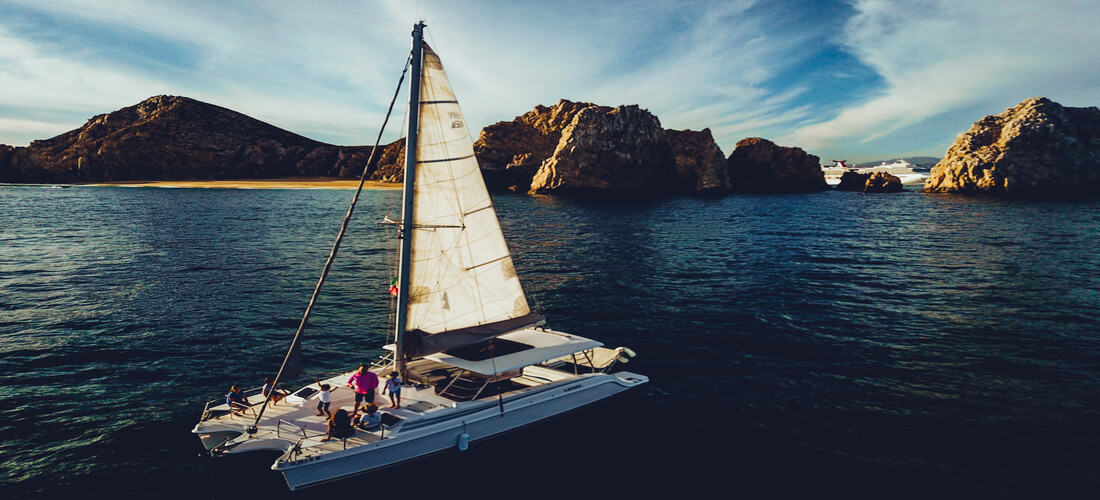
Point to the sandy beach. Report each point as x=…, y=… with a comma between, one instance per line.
x=282, y=183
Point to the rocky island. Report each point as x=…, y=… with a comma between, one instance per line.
x=177, y=138
x=875, y=182
x=571, y=148
x=1036, y=148
x=583, y=148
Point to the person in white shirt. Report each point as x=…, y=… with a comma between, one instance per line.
x=324, y=399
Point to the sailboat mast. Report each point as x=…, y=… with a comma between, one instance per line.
x=406, y=230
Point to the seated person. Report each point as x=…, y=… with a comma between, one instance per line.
x=236, y=400
x=372, y=420
x=276, y=393
x=339, y=426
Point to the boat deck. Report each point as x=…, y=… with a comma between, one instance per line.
x=294, y=419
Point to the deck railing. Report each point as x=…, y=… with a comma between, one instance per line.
x=209, y=411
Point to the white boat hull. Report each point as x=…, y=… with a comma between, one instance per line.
x=487, y=419
x=901, y=169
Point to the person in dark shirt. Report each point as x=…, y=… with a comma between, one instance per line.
x=339, y=426
x=236, y=399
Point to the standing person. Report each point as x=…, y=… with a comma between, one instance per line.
x=324, y=399
x=364, y=382
x=393, y=385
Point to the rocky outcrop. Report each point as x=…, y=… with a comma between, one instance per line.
x=852, y=181
x=568, y=148
x=760, y=166
x=699, y=159
x=390, y=164
x=575, y=147
x=178, y=138
x=509, y=153
x=21, y=165
x=621, y=150
x=876, y=182
x=882, y=182
x=1038, y=147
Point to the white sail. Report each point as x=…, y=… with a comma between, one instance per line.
x=461, y=273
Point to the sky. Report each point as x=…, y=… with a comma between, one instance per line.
x=859, y=80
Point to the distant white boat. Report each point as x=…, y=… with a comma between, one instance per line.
x=898, y=168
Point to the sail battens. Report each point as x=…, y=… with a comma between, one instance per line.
x=459, y=280
x=435, y=226
x=442, y=160
x=471, y=268
x=476, y=210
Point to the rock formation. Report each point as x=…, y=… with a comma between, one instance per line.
x=1037, y=147
x=759, y=166
x=177, y=138
x=852, y=181
x=21, y=165
x=509, y=153
x=579, y=147
x=568, y=148
x=700, y=159
x=876, y=182
x=882, y=182
x=621, y=150
x=390, y=164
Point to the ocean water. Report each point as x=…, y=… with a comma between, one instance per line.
x=829, y=344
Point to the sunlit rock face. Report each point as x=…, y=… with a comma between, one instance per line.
x=760, y=166
x=583, y=148
x=509, y=153
x=389, y=166
x=882, y=182
x=177, y=138
x=1037, y=148
x=624, y=149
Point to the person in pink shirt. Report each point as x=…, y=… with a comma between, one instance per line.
x=364, y=382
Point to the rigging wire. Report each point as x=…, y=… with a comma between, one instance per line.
x=395, y=262
x=295, y=345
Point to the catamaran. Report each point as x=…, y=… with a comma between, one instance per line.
x=476, y=361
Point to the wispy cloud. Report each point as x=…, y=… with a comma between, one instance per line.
x=958, y=59
x=850, y=77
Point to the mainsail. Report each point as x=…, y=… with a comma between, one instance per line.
x=462, y=285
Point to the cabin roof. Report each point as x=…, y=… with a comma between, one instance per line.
x=542, y=345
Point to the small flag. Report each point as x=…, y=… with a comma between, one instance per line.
x=393, y=286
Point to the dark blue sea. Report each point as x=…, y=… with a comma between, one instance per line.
x=827, y=345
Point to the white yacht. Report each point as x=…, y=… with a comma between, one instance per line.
x=898, y=168
x=475, y=359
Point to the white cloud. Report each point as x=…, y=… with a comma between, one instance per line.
x=946, y=57
x=33, y=79
x=328, y=72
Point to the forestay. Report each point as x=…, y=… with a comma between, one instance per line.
x=463, y=287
